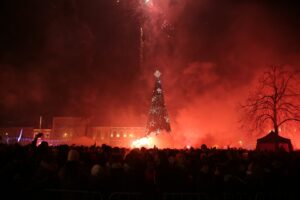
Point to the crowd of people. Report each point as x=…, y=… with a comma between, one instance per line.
x=153, y=171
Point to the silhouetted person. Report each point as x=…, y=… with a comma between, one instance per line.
x=72, y=175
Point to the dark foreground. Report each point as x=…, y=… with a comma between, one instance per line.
x=69, y=172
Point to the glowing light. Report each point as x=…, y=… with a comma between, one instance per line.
x=240, y=142
x=148, y=3
x=125, y=135
x=188, y=146
x=131, y=135
x=118, y=135
x=65, y=135
x=39, y=141
x=142, y=142
x=111, y=135
x=21, y=133
x=157, y=74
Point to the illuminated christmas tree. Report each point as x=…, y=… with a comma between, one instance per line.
x=158, y=119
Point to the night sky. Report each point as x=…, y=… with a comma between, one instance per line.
x=82, y=58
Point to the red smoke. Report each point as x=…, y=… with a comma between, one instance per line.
x=209, y=67
x=81, y=58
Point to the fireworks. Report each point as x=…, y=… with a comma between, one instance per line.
x=141, y=46
x=142, y=142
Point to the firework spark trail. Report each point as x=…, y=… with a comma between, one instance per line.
x=154, y=24
x=141, y=47
x=20, y=136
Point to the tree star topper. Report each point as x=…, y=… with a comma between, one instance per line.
x=157, y=74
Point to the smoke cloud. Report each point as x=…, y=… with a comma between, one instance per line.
x=82, y=58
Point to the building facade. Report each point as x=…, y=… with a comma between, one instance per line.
x=68, y=127
x=116, y=136
x=46, y=132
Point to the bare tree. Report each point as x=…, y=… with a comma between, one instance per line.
x=275, y=102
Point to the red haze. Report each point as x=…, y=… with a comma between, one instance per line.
x=81, y=58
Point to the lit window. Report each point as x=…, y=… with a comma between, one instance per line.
x=118, y=135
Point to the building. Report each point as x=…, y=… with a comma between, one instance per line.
x=46, y=132
x=66, y=130
x=116, y=136
x=68, y=127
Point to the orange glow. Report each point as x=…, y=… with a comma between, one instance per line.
x=240, y=142
x=203, y=87
x=142, y=142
